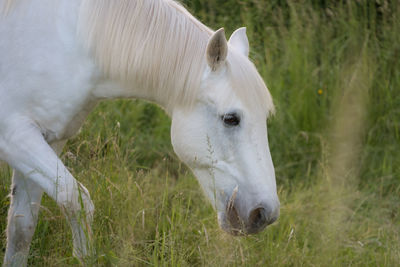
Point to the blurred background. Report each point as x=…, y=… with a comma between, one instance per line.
x=333, y=70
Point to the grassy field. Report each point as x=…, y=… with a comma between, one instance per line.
x=333, y=69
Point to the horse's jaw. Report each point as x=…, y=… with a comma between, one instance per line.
x=242, y=209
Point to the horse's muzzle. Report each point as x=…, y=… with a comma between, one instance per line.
x=238, y=221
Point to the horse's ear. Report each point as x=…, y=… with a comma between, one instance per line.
x=217, y=49
x=239, y=41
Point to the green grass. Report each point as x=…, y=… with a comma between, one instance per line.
x=149, y=207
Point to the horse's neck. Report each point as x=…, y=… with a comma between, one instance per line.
x=112, y=89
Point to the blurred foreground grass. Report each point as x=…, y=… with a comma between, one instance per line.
x=333, y=69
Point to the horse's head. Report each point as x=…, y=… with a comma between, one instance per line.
x=223, y=137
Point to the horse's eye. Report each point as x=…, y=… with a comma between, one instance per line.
x=230, y=119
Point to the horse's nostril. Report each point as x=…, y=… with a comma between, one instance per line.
x=257, y=218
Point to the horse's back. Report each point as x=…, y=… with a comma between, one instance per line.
x=45, y=75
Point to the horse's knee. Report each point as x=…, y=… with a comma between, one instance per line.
x=21, y=227
x=22, y=214
x=25, y=225
x=72, y=202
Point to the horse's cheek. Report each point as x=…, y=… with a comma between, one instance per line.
x=189, y=138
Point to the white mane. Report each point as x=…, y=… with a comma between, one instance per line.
x=157, y=45
x=248, y=84
x=148, y=44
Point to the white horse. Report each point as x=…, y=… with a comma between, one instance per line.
x=58, y=58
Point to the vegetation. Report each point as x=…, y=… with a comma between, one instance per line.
x=333, y=69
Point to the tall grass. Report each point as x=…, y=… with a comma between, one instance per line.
x=333, y=70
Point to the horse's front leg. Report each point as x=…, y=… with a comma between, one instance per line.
x=25, y=149
x=22, y=215
x=22, y=219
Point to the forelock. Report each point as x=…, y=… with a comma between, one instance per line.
x=247, y=83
